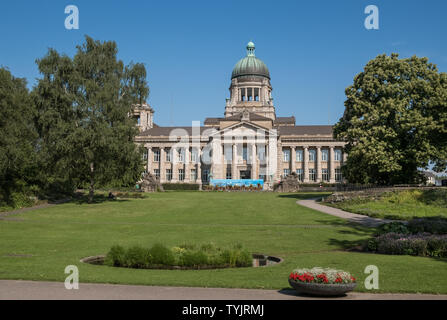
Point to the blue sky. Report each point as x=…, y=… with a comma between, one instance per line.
x=312, y=48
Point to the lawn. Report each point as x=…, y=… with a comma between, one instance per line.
x=400, y=205
x=38, y=245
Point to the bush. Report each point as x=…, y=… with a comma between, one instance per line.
x=436, y=225
x=137, y=257
x=115, y=257
x=396, y=227
x=237, y=257
x=422, y=244
x=180, y=186
x=193, y=259
x=192, y=256
x=161, y=255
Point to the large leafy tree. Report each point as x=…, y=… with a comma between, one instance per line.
x=18, y=137
x=395, y=121
x=85, y=106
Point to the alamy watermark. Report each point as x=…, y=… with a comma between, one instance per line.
x=72, y=281
x=372, y=20
x=72, y=20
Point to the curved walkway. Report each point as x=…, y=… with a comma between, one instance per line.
x=352, y=217
x=31, y=290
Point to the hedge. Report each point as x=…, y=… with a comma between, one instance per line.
x=181, y=186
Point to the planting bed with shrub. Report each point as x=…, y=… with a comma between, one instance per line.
x=425, y=237
x=206, y=256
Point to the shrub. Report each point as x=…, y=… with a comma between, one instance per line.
x=137, y=257
x=193, y=259
x=115, y=257
x=396, y=227
x=236, y=257
x=161, y=255
x=436, y=225
x=181, y=186
x=187, y=255
x=422, y=244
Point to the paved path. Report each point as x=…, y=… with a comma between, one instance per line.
x=30, y=290
x=353, y=217
x=39, y=206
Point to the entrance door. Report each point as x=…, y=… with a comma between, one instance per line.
x=245, y=174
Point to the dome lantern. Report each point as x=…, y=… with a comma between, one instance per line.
x=250, y=65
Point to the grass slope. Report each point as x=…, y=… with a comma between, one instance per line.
x=38, y=245
x=401, y=205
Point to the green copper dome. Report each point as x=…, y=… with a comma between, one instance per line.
x=250, y=65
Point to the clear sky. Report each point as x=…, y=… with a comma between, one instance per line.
x=313, y=49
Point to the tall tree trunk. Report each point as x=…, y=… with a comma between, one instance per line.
x=92, y=183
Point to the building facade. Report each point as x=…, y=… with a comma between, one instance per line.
x=248, y=142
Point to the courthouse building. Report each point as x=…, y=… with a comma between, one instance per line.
x=248, y=142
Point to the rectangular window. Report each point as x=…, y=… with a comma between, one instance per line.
x=193, y=155
x=286, y=172
x=338, y=176
x=181, y=174
x=300, y=175
x=337, y=155
x=325, y=174
x=145, y=153
x=228, y=175
x=168, y=155
x=157, y=173
x=299, y=155
x=181, y=154
x=286, y=155
x=261, y=152
x=193, y=175
x=157, y=155
x=244, y=153
x=311, y=155
x=205, y=175
x=168, y=174
x=228, y=153
x=324, y=154
x=262, y=177
x=312, y=176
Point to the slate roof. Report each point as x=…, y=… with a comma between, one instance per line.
x=305, y=130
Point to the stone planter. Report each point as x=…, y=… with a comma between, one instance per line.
x=322, y=289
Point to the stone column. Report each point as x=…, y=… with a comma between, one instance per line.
x=199, y=165
x=234, y=162
x=149, y=159
x=162, y=165
x=174, y=162
x=254, y=174
x=318, y=164
x=293, y=159
x=332, y=165
x=187, y=165
x=306, y=164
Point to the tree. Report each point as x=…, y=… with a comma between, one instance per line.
x=18, y=137
x=85, y=106
x=395, y=121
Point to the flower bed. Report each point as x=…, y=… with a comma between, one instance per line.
x=206, y=256
x=322, y=282
x=421, y=244
x=320, y=275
